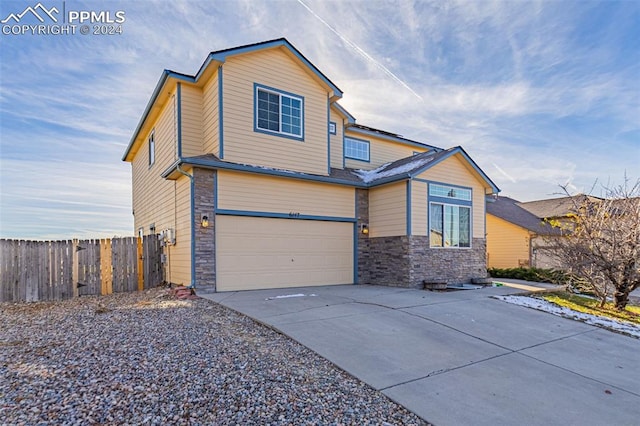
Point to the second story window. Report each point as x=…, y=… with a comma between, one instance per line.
x=279, y=112
x=356, y=149
x=152, y=149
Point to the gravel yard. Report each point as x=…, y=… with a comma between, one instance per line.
x=149, y=358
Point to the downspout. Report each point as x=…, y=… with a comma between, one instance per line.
x=192, y=286
x=193, y=228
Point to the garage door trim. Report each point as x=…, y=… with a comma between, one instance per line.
x=292, y=215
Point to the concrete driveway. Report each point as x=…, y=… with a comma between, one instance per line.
x=460, y=358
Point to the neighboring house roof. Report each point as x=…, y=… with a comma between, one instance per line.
x=219, y=57
x=402, y=169
x=555, y=207
x=508, y=209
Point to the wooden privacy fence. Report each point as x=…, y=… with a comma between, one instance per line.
x=57, y=270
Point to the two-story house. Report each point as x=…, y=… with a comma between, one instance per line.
x=256, y=177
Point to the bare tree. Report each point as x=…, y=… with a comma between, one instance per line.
x=600, y=245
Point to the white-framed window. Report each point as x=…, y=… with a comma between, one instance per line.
x=152, y=148
x=278, y=112
x=450, y=216
x=332, y=127
x=449, y=225
x=356, y=149
x=451, y=192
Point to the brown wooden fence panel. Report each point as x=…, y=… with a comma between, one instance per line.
x=152, y=261
x=124, y=252
x=89, y=279
x=44, y=270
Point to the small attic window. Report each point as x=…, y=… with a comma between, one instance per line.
x=152, y=148
x=332, y=127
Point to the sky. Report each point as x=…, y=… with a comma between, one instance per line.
x=539, y=93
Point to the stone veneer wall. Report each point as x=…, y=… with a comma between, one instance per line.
x=389, y=262
x=406, y=261
x=452, y=266
x=362, y=214
x=205, y=237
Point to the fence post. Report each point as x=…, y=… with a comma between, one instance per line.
x=140, y=265
x=75, y=272
x=106, y=269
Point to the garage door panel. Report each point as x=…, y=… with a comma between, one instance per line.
x=255, y=253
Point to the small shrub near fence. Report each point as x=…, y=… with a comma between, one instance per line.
x=57, y=270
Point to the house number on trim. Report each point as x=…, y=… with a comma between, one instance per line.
x=294, y=214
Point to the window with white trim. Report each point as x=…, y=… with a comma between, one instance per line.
x=452, y=192
x=356, y=149
x=449, y=216
x=152, y=148
x=278, y=112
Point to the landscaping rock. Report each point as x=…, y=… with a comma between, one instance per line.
x=150, y=358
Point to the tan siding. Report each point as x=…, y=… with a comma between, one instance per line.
x=191, y=114
x=256, y=253
x=381, y=152
x=181, y=252
x=507, y=244
x=155, y=200
x=418, y=208
x=387, y=210
x=453, y=171
x=152, y=195
x=337, y=141
x=210, y=116
x=241, y=191
x=273, y=68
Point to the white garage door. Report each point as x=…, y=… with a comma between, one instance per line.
x=257, y=253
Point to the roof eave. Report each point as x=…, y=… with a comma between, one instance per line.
x=391, y=138
x=346, y=114
x=172, y=173
x=222, y=55
x=458, y=150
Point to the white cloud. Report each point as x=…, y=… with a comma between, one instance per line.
x=539, y=93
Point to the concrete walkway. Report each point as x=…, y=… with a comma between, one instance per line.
x=462, y=357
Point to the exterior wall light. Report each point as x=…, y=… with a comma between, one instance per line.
x=205, y=221
x=364, y=228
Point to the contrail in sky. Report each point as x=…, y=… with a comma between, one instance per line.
x=361, y=52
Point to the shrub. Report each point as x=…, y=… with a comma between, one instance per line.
x=552, y=276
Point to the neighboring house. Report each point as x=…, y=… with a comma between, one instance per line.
x=257, y=178
x=515, y=236
x=557, y=209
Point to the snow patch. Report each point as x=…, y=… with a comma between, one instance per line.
x=379, y=173
x=543, y=305
x=286, y=296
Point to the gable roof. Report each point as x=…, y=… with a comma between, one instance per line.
x=555, y=207
x=508, y=209
x=219, y=57
x=410, y=167
x=402, y=169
